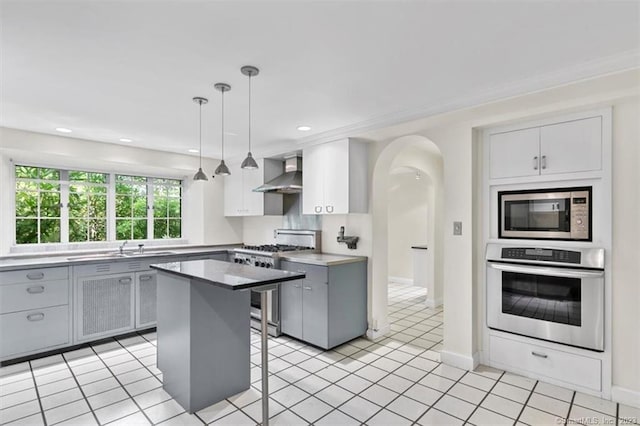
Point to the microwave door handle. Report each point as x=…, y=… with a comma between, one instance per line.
x=543, y=270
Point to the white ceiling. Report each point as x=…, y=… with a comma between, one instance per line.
x=111, y=70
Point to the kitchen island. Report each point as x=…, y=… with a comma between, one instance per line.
x=203, y=328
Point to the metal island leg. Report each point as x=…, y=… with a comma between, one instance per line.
x=265, y=357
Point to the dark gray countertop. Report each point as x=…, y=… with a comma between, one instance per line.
x=70, y=258
x=321, y=259
x=420, y=247
x=231, y=276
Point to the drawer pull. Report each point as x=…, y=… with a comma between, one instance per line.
x=124, y=280
x=35, y=289
x=35, y=275
x=307, y=288
x=145, y=277
x=329, y=209
x=35, y=317
x=318, y=209
x=539, y=355
x=296, y=286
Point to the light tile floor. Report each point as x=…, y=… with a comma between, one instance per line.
x=397, y=380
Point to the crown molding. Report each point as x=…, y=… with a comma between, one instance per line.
x=600, y=67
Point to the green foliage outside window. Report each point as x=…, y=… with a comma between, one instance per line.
x=40, y=191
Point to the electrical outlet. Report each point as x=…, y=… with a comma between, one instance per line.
x=457, y=228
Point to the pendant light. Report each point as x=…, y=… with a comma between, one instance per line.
x=249, y=162
x=222, y=168
x=200, y=174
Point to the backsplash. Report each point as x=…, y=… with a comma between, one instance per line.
x=293, y=217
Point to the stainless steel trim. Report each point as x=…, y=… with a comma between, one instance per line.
x=35, y=275
x=35, y=317
x=546, y=271
x=592, y=258
x=265, y=358
x=538, y=354
x=589, y=334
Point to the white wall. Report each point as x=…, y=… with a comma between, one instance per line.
x=409, y=217
x=203, y=221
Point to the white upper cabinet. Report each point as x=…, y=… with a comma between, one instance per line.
x=239, y=198
x=575, y=146
x=567, y=147
x=515, y=154
x=334, y=178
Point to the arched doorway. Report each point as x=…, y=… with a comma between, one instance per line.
x=421, y=154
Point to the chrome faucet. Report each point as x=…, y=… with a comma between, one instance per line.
x=352, y=242
x=122, y=246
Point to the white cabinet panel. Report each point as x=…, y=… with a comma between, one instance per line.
x=239, y=197
x=313, y=180
x=558, y=365
x=23, y=296
x=575, y=146
x=515, y=154
x=335, y=178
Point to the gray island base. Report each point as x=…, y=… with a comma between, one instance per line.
x=204, y=332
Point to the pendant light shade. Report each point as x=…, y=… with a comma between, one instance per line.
x=249, y=162
x=222, y=168
x=200, y=174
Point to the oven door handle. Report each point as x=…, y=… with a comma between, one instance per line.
x=544, y=270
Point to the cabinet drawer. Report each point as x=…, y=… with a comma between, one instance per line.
x=34, y=330
x=558, y=365
x=314, y=273
x=34, y=275
x=20, y=297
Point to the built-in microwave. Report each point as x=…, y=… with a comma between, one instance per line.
x=545, y=214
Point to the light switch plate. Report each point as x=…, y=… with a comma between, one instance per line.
x=457, y=228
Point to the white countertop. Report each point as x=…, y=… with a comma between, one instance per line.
x=322, y=259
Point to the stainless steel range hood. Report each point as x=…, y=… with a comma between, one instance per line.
x=288, y=183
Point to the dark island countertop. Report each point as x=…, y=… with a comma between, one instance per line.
x=232, y=276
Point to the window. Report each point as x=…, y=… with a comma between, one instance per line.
x=87, y=206
x=131, y=207
x=54, y=206
x=37, y=205
x=167, y=196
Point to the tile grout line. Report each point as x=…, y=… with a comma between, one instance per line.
x=485, y=397
x=123, y=388
x=526, y=402
x=84, y=396
x=573, y=397
x=35, y=385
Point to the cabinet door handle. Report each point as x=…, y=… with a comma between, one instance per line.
x=539, y=355
x=296, y=286
x=329, y=209
x=124, y=280
x=307, y=288
x=535, y=163
x=544, y=162
x=318, y=209
x=145, y=277
x=35, y=289
x=35, y=317
x=35, y=275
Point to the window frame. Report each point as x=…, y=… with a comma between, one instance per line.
x=65, y=183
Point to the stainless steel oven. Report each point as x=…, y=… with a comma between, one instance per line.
x=547, y=293
x=551, y=214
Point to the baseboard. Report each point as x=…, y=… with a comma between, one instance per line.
x=373, y=334
x=625, y=396
x=461, y=361
x=399, y=280
x=433, y=303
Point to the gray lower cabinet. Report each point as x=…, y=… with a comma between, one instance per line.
x=328, y=307
x=104, y=305
x=146, y=301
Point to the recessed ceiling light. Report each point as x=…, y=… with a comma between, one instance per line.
x=63, y=130
x=304, y=128
x=193, y=150
x=125, y=140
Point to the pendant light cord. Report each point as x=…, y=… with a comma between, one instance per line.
x=250, y=75
x=222, y=135
x=200, y=102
